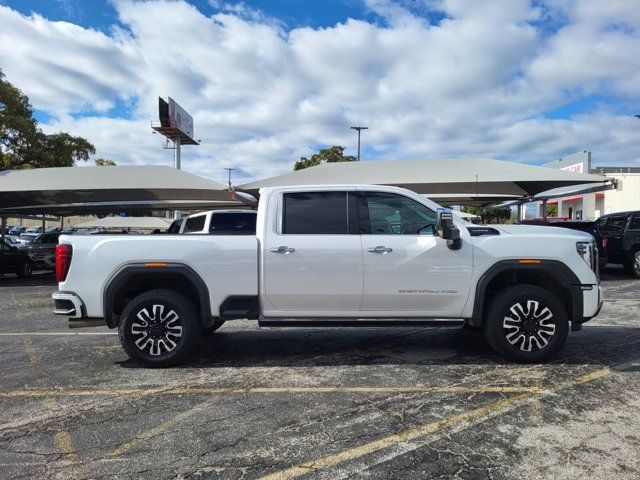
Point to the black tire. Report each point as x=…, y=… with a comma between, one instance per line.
x=634, y=266
x=165, y=318
x=526, y=334
x=210, y=330
x=25, y=271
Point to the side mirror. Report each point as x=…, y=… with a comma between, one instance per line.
x=448, y=231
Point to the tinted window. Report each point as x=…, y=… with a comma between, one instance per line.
x=616, y=224
x=233, y=223
x=50, y=238
x=635, y=222
x=391, y=214
x=315, y=213
x=195, y=224
x=175, y=226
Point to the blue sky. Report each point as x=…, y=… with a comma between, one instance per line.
x=270, y=81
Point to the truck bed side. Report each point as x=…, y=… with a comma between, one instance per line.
x=228, y=265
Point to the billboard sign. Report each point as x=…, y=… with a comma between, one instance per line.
x=576, y=167
x=179, y=118
x=578, y=163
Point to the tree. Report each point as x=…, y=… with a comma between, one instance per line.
x=105, y=162
x=24, y=145
x=488, y=215
x=325, y=155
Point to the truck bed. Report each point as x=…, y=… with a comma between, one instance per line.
x=227, y=264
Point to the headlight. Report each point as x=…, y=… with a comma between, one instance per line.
x=586, y=251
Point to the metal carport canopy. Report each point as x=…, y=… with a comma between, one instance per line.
x=83, y=190
x=462, y=176
x=126, y=222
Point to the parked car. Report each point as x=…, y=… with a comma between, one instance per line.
x=622, y=231
x=220, y=222
x=14, y=261
x=69, y=230
x=42, y=250
x=583, y=226
x=34, y=230
x=52, y=230
x=26, y=238
x=11, y=241
x=331, y=256
x=17, y=230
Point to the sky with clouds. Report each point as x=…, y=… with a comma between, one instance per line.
x=269, y=81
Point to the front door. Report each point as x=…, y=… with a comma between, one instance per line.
x=408, y=269
x=614, y=231
x=312, y=257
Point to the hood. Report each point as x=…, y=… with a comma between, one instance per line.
x=541, y=230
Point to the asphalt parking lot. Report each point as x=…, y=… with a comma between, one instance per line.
x=317, y=403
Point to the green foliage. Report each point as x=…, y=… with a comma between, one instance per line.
x=105, y=162
x=325, y=155
x=489, y=215
x=24, y=145
x=552, y=209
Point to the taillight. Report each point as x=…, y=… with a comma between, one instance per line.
x=605, y=241
x=63, y=261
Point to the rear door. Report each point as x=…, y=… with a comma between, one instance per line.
x=407, y=267
x=312, y=257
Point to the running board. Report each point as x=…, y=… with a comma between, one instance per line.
x=351, y=322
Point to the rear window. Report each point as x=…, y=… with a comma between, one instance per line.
x=233, y=224
x=195, y=224
x=635, y=222
x=315, y=213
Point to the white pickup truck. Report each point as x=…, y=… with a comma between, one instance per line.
x=335, y=256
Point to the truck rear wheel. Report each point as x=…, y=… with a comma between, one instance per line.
x=526, y=323
x=159, y=328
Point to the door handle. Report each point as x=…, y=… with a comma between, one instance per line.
x=380, y=249
x=283, y=249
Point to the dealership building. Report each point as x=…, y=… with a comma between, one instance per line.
x=591, y=205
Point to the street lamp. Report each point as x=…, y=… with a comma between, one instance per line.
x=359, y=129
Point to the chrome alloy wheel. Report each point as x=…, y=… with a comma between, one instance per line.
x=529, y=327
x=636, y=264
x=156, y=332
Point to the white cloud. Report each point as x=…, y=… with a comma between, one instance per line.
x=476, y=83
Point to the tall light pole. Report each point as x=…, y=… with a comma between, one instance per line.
x=359, y=129
x=230, y=170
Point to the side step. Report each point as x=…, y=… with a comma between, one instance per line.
x=356, y=322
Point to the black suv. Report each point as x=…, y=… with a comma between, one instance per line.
x=622, y=234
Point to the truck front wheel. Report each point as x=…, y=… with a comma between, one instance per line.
x=159, y=328
x=526, y=323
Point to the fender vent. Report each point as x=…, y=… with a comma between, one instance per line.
x=479, y=231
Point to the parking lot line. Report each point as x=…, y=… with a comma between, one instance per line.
x=476, y=415
x=61, y=436
x=196, y=390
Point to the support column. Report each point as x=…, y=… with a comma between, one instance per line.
x=44, y=223
x=176, y=164
x=519, y=213
x=544, y=210
x=3, y=226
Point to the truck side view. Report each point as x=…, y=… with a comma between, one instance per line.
x=335, y=256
